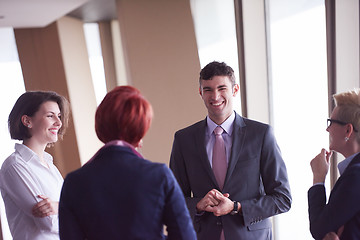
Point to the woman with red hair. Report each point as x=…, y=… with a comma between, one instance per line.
x=118, y=194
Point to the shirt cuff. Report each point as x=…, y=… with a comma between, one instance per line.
x=320, y=183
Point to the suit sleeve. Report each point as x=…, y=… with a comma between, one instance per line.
x=176, y=214
x=342, y=206
x=69, y=227
x=276, y=198
x=177, y=165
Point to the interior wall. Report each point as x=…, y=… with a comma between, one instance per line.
x=80, y=85
x=107, y=50
x=119, y=55
x=163, y=63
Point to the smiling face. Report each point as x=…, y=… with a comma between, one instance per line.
x=217, y=94
x=45, y=124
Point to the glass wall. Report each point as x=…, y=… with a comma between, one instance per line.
x=93, y=45
x=215, y=31
x=12, y=86
x=298, y=67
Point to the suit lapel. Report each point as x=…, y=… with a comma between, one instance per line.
x=200, y=145
x=354, y=161
x=238, y=134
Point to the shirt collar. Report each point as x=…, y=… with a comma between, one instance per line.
x=123, y=144
x=27, y=154
x=344, y=163
x=227, y=125
x=118, y=143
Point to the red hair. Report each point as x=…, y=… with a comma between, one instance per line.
x=124, y=114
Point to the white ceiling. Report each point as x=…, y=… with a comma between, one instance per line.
x=40, y=13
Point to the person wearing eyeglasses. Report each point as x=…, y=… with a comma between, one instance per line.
x=339, y=218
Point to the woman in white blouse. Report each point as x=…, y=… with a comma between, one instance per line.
x=29, y=181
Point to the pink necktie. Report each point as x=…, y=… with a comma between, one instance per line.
x=219, y=163
x=222, y=236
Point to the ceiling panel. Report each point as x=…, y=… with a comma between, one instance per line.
x=40, y=13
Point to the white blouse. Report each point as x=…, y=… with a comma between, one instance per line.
x=22, y=179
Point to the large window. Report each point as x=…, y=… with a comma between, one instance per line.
x=215, y=31
x=12, y=86
x=297, y=63
x=93, y=45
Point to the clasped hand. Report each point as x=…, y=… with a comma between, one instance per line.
x=45, y=208
x=216, y=202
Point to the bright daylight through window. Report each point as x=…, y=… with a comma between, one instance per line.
x=297, y=48
x=11, y=88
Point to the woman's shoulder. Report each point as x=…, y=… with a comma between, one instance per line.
x=12, y=160
x=156, y=166
x=13, y=165
x=21, y=156
x=160, y=170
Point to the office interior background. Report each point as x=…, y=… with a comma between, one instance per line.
x=289, y=56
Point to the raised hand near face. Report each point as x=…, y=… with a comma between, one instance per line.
x=320, y=166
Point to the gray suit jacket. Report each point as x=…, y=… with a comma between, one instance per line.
x=256, y=177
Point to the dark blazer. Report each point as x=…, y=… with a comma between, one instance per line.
x=119, y=195
x=343, y=207
x=256, y=177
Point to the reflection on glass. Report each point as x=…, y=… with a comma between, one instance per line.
x=297, y=50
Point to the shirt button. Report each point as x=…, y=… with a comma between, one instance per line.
x=218, y=223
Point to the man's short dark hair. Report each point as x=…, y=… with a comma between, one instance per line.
x=217, y=69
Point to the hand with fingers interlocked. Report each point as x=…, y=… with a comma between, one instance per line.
x=216, y=202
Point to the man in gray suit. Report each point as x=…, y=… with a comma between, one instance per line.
x=255, y=185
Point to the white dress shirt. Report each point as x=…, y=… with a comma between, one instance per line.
x=22, y=178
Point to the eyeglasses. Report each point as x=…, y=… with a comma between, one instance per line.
x=331, y=121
